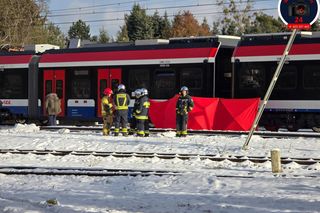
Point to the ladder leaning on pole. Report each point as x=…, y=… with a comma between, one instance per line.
x=270, y=89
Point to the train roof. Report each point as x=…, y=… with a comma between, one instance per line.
x=174, y=51
x=180, y=42
x=224, y=40
x=10, y=60
x=16, y=53
x=270, y=47
x=156, y=51
x=277, y=38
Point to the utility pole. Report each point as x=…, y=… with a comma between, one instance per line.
x=271, y=86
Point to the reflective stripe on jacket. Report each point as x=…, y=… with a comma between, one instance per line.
x=106, y=106
x=142, y=110
x=121, y=101
x=184, y=105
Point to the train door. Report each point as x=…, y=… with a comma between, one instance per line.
x=54, y=82
x=107, y=77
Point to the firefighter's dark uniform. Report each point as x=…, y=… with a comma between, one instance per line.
x=184, y=106
x=107, y=114
x=133, y=121
x=121, y=102
x=142, y=116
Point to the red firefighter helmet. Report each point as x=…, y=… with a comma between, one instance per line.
x=107, y=91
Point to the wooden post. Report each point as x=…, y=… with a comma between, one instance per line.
x=276, y=161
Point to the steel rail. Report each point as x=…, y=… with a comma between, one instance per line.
x=80, y=171
x=165, y=156
x=265, y=134
x=104, y=172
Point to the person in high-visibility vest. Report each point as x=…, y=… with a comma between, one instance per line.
x=142, y=114
x=107, y=111
x=183, y=107
x=121, y=101
x=133, y=121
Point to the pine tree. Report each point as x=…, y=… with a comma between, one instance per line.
x=166, y=27
x=205, y=28
x=215, y=28
x=157, y=25
x=94, y=38
x=122, y=35
x=103, y=36
x=54, y=35
x=264, y=23
x=139, y=24
x=316, y=26
x=80, y=30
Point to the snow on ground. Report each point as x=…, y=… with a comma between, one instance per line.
x=199, y=189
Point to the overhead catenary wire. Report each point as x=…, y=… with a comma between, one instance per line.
x=195, y=14
x=99, y=6
x=92, y=8
x=149, y=9
x=115, y=20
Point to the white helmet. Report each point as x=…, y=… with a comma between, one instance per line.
x=138, y=93
x=184, y=88
x=121, y=87
x=144, y=91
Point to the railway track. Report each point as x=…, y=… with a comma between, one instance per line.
x=165, y=156
x=66, y=171
x=104, y=172
x=265, y=134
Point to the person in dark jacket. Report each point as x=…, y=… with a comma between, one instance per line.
x=133, y=121
x=107, y=111
x=183, y=107
x=142, y=114
x=121, y=102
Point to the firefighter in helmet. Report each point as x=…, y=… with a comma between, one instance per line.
x=121, y=101
x=107, y=111
x=142, y=114
x=133, y=121
x=183, y=107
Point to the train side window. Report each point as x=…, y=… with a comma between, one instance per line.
x=288, y=78
x=81, y=88
x=59, y=88
x=252, y=77
x=48, y=87
x=81, y=84
x=139, y=78
x=114, y=84
x=103, y=85
x=165, y=83
x=192, y=78
x=311, y=77
x=12, y=84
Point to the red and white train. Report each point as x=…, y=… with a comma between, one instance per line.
x=217, y=66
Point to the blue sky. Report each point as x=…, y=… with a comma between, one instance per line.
x=60, y=11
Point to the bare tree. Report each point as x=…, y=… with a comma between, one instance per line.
x=22, y=22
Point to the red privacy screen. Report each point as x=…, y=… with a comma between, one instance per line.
x=208, y=113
